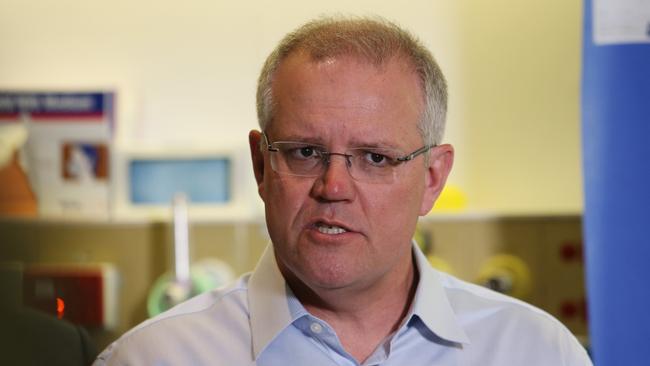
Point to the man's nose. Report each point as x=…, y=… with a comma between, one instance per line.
x=336, y=183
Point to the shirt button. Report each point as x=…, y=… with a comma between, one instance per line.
x=316, y=328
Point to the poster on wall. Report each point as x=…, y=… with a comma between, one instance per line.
x=68, y=148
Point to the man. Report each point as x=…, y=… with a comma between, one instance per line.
x=351, y=113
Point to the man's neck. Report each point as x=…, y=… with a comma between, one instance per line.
x=362, y=318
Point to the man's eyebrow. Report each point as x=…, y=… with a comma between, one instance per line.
x=300, y=138
x=354, y=143
x=386, y=144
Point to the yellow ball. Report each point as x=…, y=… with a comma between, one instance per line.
x=452, y=198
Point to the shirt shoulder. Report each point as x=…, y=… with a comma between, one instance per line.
x=508, y=330
x=211, y=326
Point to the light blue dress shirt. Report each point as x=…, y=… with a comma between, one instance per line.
x=258, y=321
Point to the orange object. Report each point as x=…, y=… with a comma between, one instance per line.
x=16, y=196
x=60, y=307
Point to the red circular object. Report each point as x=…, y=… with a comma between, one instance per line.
x=571, y=251
x=568, y=252
x=568, y=309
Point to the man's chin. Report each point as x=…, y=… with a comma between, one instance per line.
x=332, y=277
x=318, y=278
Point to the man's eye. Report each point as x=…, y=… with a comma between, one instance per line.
x=303, y=152
x=306, y=152
x=376, y=158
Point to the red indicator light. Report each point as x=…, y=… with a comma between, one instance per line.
x=74, y=293
x=60, y=307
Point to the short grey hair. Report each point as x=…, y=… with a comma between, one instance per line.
x=374, y=40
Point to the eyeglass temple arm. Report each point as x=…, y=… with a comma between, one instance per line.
x=415, y=153
x=268, y=144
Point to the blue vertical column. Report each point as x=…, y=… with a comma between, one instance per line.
x=616, y=161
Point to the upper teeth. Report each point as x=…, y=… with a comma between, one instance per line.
x=329, y=229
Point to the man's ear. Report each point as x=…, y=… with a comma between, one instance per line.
x=441, y=159
x=254, y=142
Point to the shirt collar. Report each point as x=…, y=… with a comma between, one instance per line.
x=431, y=304
x=273, y=306
x=269, y=302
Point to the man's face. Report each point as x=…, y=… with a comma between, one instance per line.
x=342, y=103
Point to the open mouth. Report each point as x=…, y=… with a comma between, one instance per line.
x=329, y=229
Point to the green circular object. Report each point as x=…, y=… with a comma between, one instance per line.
x=201, y=281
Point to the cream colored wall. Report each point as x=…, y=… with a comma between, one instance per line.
x=519, y=63
x=185, y=74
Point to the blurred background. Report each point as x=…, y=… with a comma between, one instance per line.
x=115, y=107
